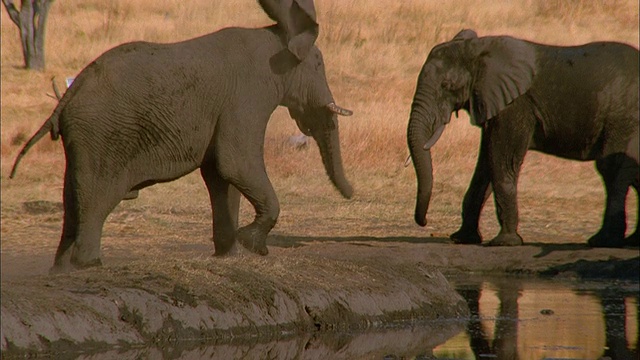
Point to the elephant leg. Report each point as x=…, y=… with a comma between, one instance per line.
x=85, y=210
x=634, y=239
x=505, y=339
x=508, y=144
x=618, y=173
x=474, y=200
x=62, y=262
x=133, y=194
x=242, y=165
x=257, y=188
x=478, y=337
x=225, y=205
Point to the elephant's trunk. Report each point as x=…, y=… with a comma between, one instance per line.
x=424, y=129
x=417, y=136
x=329, y=144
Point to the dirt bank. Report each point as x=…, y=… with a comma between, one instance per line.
x=219, y=300
x=309, y=286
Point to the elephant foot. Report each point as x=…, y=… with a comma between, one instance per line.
x=67, y=267
x=506, y=240
x=607, y=240
x=253, y=239
x=463, y=236
x=133, y=194
x=61, y=269
x=633, y=240
x=86, y=264
x=225, y=249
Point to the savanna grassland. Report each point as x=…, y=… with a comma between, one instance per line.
x=373, y=52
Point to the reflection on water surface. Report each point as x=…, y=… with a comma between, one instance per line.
x=515, y=318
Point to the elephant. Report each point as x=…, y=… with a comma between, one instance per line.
x=144, y=113
x=576, y=102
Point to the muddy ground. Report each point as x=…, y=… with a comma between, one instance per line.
x=161, y=289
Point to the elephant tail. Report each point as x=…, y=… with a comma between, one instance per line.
x=50, y=126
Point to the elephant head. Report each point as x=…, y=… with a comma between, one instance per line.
x=307, y=93
x=311, y=105
x=481, y=75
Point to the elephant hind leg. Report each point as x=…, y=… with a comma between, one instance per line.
x=85, y=210
x=618, y=172
x=634, y=239
x=62, y=262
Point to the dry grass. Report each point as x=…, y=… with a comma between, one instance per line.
x=373, y=51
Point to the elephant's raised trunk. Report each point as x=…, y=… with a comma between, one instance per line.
x=329, y=145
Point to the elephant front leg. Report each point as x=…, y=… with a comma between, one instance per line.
x=474, y=201
x=508, y=144
x=242, y=165
x=225, y=204
x=259, y=191
x=505, y=194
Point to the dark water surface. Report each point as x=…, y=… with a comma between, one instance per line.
x=512, y=318
x=524, y=318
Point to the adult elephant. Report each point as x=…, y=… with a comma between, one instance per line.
x=578, y=102
x=144, y=113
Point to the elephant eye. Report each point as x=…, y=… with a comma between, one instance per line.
x=447, y=85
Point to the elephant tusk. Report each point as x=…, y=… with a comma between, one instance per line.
x=338, y=110
x=55, y=88
x=408, y=161
x=434, y=138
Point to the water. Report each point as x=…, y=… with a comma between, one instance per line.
x=516, y=318
x=512, y=318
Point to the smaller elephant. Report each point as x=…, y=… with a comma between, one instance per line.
x=577, y=102
x=145, y=113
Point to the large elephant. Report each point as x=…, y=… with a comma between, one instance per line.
x=578, y=102
x=145, y=113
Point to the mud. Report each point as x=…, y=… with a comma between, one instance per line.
x=184, y=304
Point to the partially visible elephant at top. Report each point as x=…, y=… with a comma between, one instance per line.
x=145, y=113
x=576, y=102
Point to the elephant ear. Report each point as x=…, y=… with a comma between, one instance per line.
x=465, y=34
x=297, y=19
x=505, y=68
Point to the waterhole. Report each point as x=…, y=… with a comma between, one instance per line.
x=519, y=318
x=512, y=318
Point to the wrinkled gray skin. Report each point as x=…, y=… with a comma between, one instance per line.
x=145, y=113
x=578, y=103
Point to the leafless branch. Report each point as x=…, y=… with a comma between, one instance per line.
x=14, y=14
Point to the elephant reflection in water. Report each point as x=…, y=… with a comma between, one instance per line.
x=614, y=309
x=505, y=337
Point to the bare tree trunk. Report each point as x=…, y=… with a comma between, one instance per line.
x=31, y=20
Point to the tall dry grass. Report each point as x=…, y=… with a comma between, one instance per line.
x=373, y=51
